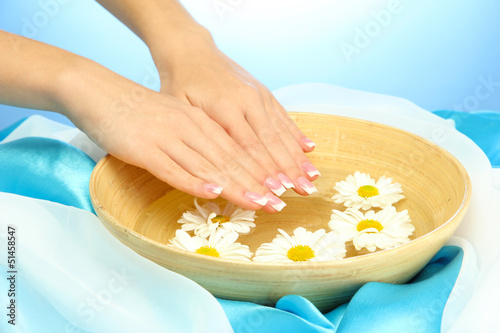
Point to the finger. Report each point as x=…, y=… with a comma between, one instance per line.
x=215, y=131
x=306, y=143
x=293, y=147
x=237, y=153
x=253, y=197
x=205, y=146
x=165, y=169
x=260, y=122
x=239, y=129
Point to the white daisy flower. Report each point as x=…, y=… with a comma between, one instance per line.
x=220, y=243
x=361, y=192
x=208, y=217
x=302, y=246
x=384, y=229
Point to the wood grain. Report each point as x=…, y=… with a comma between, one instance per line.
x=142, y=212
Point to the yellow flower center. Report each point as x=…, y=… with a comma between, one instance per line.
x=300, y=253
x=221, y=219
x=208, y=251
x=367, y=191
x=366, y=224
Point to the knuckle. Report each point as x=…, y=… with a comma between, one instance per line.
x=252, y=146
x=222, y=180
x=292, y=170
x=196, y=110
x=218, y=177
x=234, y=149
x=166, y=119
x=225, y=104
x=249, y=91
x=167, y=173
x=279, y=124
x=203, y=169
x=269, y=136
x=230, y=165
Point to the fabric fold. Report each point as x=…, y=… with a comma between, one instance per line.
x=93, y=281
x=46, y=169
x=377, y=307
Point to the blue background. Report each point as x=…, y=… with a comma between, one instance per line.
x=439, y=55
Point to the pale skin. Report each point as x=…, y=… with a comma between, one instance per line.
x=211, y=127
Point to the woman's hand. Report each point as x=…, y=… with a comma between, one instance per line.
x=196, y=72
x=176, y=142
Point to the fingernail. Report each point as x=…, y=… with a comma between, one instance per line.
x=212, y=188
x=310, y=169
x=257, y=198
x=287, y=183
x=275, y=186
x=275, y=202
x=308, y=142
x=306, y=185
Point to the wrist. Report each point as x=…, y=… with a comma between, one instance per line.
x=86, y=91
x=68, y=87
x=173, y=48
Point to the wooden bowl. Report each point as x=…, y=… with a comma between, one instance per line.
x=142, y=212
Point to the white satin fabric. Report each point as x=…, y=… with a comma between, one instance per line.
x=73, y=276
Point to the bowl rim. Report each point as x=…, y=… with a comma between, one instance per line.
x=100, y=210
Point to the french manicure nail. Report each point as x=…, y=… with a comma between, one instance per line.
x=257, y=198
x=275, y=186
x=287, y=183
x=275, y=202
x=212, y=188
x=306, y=185
x=308, y=142
x=310, y=169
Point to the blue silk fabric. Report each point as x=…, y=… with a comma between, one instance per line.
x=46, y=169
x=52, y=170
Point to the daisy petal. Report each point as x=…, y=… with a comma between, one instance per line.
x=302, y=246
